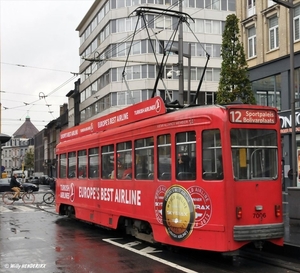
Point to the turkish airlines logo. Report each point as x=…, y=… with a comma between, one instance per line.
x=157, y=106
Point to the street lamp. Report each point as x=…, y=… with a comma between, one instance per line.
x=289, y=4
x=169, y=74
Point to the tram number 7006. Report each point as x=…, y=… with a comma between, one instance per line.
x=259, y=215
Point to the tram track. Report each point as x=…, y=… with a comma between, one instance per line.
x=247, y=260
x=244, y=262
x=289, y=264
x=38, y=205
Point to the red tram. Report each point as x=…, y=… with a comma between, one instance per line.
x=202, y=177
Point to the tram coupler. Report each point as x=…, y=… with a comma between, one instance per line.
x=259, y=244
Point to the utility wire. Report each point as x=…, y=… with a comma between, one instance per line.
x=36, y=67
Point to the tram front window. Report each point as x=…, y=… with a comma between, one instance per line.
x=254, y=154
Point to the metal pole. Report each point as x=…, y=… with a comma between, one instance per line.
x=292, y=91
x=180, y=58
x=189, y=75
x=0, y=89
x=290, y=6
x=0, y=159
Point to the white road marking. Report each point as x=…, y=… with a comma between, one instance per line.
x=24, y=208
x=146, y=254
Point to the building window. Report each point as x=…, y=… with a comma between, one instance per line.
x=231, y=5
x=251, y=8
x=271, y=3
x=267, y=91
x=297, y=87
x=251, y=42
x=297, y=24
x=273, y=33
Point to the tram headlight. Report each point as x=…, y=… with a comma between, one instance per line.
x=239, y=212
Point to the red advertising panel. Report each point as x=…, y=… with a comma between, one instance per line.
x=136, y=112
x=252, y=116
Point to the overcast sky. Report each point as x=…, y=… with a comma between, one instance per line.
x=39, y=50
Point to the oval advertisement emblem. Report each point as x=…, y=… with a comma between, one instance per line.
x=178, y=213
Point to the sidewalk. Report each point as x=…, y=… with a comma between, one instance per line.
x=291, y=232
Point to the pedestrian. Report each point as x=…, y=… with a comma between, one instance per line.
x=15, y=186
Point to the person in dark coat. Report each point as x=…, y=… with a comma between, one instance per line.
x=15, y=186
x=183, y=163
x=52, y=184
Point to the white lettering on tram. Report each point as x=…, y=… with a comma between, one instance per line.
x=103, y=123
x=145, y=110
x=69, y=134
x=107, y=194
x=89, y=192
x=122, y=117
x=131, y=197
x=123, y=196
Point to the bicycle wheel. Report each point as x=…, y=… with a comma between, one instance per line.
x=7, y=198
x=48, y=198
x=28, y=198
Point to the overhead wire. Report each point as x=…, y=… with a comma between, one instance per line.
x=152, y=21
x=36, y=67
x=129, y=37
x=123, y=41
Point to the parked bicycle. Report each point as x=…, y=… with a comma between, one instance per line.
x=49, y=197
x=27, y=197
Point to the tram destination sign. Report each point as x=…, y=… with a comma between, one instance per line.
x=252, y=116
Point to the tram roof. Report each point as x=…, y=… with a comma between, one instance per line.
x=153, y=107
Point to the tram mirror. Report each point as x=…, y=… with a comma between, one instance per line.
x=243, y=161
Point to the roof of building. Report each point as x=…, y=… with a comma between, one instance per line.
x=26, y=130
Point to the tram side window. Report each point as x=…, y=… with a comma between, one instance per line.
x=72, y=165
x=212, y=161
x=164, y=157
x=254, y=154
x=186, y=156
x=93, y=163
x=62, y=166
x=107, y=161
x=124, y=164
x=144, y=159
x=81, y=163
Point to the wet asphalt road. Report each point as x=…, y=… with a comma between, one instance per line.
x=39, y=240
x=44, y=242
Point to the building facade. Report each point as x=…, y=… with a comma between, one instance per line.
x=14, y=151
x=265, y=35
x=105, y=39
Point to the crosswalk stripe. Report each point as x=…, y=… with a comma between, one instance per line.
x=3, y=209
x=25, y=209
